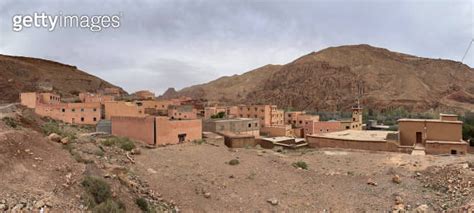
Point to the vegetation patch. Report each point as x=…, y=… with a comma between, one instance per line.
x=98, y=196
x=11, y=122
x=54, y=127
x=142, y=203
x=121, y=142
x=199, y=142
x=234, y=162
x=301, y=165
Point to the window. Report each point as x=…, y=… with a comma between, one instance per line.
x=256, y=109
x=95, y=119
x=256, y=124
x=250, y=125
x=301, y=122
x=82, y=109
x=73, y=110
x=63, y=110
x=82, y=119
x=94, y=109
x=255, y=116
x=327, y=130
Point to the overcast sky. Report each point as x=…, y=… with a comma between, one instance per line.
x=174, y=43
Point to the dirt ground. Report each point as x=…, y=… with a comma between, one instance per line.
x=198, y=178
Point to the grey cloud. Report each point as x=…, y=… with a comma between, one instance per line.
x=179, y=43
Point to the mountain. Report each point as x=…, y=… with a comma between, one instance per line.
x=24, y=74
x=333, y=78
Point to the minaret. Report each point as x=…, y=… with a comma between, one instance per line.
x=357, y=116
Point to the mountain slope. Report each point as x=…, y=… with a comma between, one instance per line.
x=23, y=74
x=331, y=79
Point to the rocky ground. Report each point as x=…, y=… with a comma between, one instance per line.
x=41, y=172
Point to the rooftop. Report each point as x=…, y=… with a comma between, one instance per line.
x=361, y=135
x=427, y=120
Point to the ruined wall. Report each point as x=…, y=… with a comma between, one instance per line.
x=136, y=128
x=319, y=142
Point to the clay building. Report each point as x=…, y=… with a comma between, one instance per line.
x=49, y=105
x=112, y=91
x=86, y=97
x=157, y=130
x=136, y=108
x=30, y=99
x=355, y=122
x=182, y=112
x=321, y=127
x=268, y=115
x=212, y=111
x=437, y=136
x=430, y=136
x=144, y=95
x=239, y=126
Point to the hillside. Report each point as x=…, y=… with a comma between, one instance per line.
x=23, y=74
x=330, y=79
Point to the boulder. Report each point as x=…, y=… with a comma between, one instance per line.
x=65, y=140
x=54, y=137
x=396, y=179
x=273, y=201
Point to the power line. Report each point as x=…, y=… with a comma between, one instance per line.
x=468, y=47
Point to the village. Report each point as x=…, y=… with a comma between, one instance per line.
x=156, y=122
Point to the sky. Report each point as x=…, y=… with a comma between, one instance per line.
x=177, y=43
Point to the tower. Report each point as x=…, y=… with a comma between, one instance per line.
x=357, y=116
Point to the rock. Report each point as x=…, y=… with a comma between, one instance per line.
x=54, y=137
x=421, y=209
x=65, y=140
x=273, y=201
x=39, y=204
x=3, y=207
x=371, y=182
x=17, y=207
x=398, y=208
x=396, y=179
x=398, y=200
x=207, y=195
x=135, y=151
x=152, y=171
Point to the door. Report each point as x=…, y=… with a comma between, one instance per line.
x=181, y=138
x=418, y=138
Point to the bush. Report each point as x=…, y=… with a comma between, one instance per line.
x=122, y=142
x=142, y=203
x=300, y=164
x=109, y=206
x=234, y=162
x=199, y=142
x=218, y=115
x=9, y=121
x=97, y=187
x=51, y=127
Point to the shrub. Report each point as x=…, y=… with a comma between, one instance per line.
x=122, y=142
x=142, y=203
x=109, y=206
x=199, y=142
x=9, y=121
x=300, y=164
x=97, y=187
x=234, y=162
x=51, y=127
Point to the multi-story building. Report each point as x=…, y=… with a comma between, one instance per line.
x=49, y=105
x=182, y=112
x=145, y=95
x=268, y=115
x=241, y=126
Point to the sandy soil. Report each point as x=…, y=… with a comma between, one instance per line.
x=336, y=180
